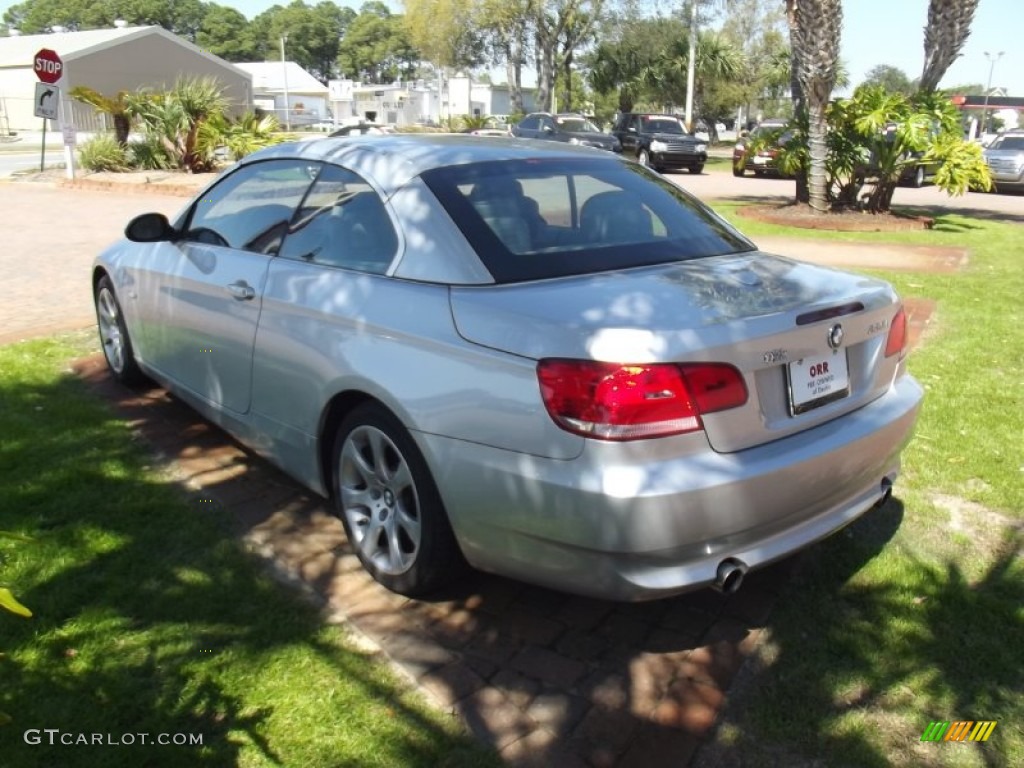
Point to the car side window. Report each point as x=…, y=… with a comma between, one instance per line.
x=547, y=123
x=530, y=123
x=342, y=223
x=250, y=209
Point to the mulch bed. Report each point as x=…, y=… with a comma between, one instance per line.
x=792, y=215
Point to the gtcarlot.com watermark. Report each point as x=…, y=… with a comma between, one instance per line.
x=55, y=737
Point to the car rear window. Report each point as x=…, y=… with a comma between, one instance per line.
x=541, y=218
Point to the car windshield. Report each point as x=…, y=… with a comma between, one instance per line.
x=576, y=125
x=1009, y=143
x=542, y=218
x=662, y=125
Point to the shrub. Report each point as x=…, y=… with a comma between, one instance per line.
x=240, y=137
x=149, y=154
x=103, y=153
x=174, y=119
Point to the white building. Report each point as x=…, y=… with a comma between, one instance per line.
x=108, y=61
x=420, y=102
x=274, y=84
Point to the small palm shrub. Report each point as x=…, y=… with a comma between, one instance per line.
x=240, y=137
x=149, y=154
x=103, y=153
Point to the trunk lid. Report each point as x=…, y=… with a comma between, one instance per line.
x=769, y=316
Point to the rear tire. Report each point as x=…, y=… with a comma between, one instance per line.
x=697, y=169
x=739, y=171
x=114, y=338
x=390, y=505
x=918, y=180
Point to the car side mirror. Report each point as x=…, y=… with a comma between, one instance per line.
x=149, y=228
x=548, y=129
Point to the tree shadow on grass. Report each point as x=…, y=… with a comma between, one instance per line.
x=151, y=623
x=856, y=669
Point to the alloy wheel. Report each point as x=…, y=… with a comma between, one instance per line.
x=110, y=329
x=379, y=500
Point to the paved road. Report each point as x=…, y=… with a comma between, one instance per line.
x=22, y=161
x=51, y=237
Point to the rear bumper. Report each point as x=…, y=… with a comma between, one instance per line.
x=614, y=526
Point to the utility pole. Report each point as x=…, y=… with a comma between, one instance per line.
x=988, y=89
x=691, y=64
x=284, y=71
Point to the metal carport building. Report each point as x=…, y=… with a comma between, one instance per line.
x=109, y=61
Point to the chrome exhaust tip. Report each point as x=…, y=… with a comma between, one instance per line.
x=729, y=575
x=886, y=493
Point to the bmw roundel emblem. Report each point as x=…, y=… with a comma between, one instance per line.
x=835, y=336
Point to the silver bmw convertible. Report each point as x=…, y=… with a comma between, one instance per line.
x=541, y=360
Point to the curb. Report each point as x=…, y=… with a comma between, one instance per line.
x=148, y=187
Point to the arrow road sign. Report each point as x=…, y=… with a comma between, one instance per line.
x=47, y=98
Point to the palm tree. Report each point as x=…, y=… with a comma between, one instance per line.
x=119, y=108
x=949, y=25
x=814, y=31
x=715, y=59
x=200, y=99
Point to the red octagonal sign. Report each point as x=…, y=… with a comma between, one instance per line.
x=48, y=66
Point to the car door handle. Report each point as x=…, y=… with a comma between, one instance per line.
x=241, y=291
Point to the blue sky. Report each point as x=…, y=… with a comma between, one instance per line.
x=880, y=32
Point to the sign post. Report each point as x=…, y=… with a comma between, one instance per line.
x=70, y=139
x=48, y=68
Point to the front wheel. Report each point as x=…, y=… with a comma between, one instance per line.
x=117, y=345
x=696, y=169
x=738, y=170
x=389, y=504
x=918, y=181
x=643, y=158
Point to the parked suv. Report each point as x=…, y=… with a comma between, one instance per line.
x=572, y=129
x=660, y=141
x=1005, y=158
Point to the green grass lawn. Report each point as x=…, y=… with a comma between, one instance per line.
x=915, y=613
x=149, y=619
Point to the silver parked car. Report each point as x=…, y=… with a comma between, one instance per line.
x=546, y=361
x=1005, y=158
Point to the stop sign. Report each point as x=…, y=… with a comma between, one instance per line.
x=48, y=66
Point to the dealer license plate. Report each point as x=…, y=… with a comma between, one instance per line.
x=814, y=381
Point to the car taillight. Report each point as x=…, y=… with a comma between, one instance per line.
x=610, y=401
x=896, y=343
